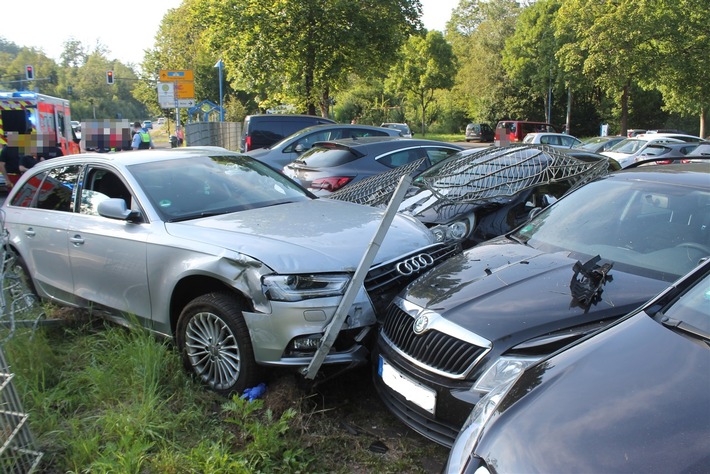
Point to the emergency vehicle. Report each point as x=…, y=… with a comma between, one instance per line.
x=42, y=122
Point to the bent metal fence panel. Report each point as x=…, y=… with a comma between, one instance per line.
x=489, y=174
x=18, y=307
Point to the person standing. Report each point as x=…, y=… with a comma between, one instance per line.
x=141, y=139
x=10, y=163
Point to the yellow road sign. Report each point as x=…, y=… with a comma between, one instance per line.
x=185, y=90
x=176, y=75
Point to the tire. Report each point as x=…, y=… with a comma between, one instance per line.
x=214, y=342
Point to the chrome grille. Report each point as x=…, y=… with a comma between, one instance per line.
x=383, y=282
x=433, y=349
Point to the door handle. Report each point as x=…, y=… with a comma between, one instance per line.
x=30, y=232
x=76, y=240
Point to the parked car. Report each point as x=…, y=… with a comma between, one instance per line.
x=479, y=132
x=510, y=132
x=558, y=140
x=474, y=197
x=239, y=264
x=599, y=144
x=626, y=151
x=680, y=136
x=646, y=378
x=406, y=132
x=665, y=153
x=632, y=132
x=147, y=124
x=480, y=317
x=287, y=150
x=260, y=131
x=161, y=120
x=330, y=166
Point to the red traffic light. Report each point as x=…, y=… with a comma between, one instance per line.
x=29, y=73
x=109, y=77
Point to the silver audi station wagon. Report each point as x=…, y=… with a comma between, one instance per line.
x=239, y=264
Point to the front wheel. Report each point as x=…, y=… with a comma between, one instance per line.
x=214, y=342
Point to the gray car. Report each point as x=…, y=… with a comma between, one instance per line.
x=290, y=148
x=238, y=263
x=330, y=166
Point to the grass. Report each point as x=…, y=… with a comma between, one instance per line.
x=104, y=398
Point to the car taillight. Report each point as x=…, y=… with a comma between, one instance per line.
x=247, y=144
x=331, y=184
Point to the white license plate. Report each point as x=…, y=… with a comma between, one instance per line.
x=413, y=391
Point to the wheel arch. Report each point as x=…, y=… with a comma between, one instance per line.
x=193, y=286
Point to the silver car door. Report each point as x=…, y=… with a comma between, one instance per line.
x=108, y=256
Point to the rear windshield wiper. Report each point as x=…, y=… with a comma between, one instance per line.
x=685, y=327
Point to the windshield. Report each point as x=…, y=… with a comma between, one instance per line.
x=628, y=146
x=654, y=229
x=208, y=185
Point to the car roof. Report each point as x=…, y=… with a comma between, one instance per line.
x=363, y=143
x=687, y=174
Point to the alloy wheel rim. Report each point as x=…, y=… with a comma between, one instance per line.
x=213, y=350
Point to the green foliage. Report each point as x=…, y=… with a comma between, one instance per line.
x=426, y=63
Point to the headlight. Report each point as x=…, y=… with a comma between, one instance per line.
x=467, y=439
x=302, y=287
x=455, y=231
x=504, y=370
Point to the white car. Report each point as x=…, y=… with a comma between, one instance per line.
x=557, y=140
x=403, y=128
x=678, y=136
x=627, y=151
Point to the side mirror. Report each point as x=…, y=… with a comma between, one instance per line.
x=300, y=148
x=115, y=208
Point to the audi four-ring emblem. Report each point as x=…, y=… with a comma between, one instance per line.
x=414, y=264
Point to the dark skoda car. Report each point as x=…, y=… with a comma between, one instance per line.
x=634, y=397
x=481, y=317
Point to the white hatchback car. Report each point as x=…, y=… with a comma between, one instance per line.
x=626, y=152
x=557, y=140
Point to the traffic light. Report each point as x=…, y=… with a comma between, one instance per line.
x=109, y=77
x=29, y=73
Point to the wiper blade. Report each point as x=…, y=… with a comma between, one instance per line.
x=685, y=327
x=198, y=215
x=517, y=239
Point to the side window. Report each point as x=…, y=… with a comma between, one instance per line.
x=308, y=141
x=25, y=197
x=400, y=158
x=101, y=184
x=57, y=192
x=436, y=155
x=362, y=132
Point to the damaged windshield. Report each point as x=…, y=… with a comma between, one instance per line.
x=650, y=227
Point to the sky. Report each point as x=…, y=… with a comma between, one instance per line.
x=127, y=29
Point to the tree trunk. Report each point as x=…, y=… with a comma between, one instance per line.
x=625, y=109
x=423, y=114
x=325, y=103
x=568, y=123
x=703, y=116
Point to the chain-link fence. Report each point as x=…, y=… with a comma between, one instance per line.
x=18, y=308
x=480, y=176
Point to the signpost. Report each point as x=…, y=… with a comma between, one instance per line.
x=183, y=90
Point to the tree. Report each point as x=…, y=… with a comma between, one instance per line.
x=305, y=51
x=425, y=65
x=478, y=31
x=610, y=42
x=681, y=48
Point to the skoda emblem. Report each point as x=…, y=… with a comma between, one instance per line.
x=420, y=324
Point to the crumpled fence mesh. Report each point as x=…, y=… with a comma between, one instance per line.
x=19, y=308
x=478, y=176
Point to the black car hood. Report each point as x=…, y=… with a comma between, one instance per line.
x=635, y=398
x=506, y=290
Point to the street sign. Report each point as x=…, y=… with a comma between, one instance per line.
x=166, y=94
x=186, y=103
x=176, y=75
x=185, y=90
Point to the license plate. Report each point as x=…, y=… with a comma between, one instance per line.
x=422, y=396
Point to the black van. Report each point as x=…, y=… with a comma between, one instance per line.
x=264, y=130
